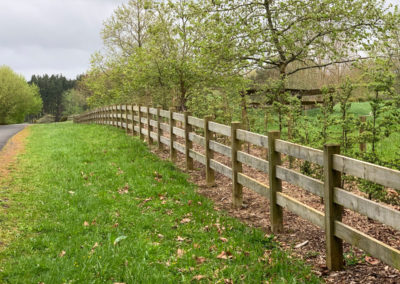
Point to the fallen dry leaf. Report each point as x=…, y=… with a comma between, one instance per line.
x=180, y=239
x=86, y=224
x=120, y=172
x=115, y=225
x=190, y=202
x=180, y=253
x=198, y=277
x=124, y=190
x=160, y=236
x=200, y=259
x=94, y=247
x=71, y=192
x=94, y=222
x=224, y=240
x=372, y=260
x=196, y=245
x=225, y=255
x=62, y=253
x=185, y=220
x=228, y=281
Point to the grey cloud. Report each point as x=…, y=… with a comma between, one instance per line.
x=51, y=36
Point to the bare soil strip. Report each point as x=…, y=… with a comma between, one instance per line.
x=8, y=154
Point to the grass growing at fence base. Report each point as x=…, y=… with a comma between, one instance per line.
x=88, y=204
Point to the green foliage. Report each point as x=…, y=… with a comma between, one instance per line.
x=17, y=98
x=73, y=102
x=346, y=121
x=380, y=82
x=103, y=209
x=51, y=89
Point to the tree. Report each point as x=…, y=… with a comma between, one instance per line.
x=51, y=89
x=280, y=34
x=74, y=102
x=17, y=98
x=346, y=120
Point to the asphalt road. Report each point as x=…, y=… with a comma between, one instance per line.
x=8, y=131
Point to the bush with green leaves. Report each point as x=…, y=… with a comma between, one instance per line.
x=17, y=98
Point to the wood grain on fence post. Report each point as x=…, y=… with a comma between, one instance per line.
x=149, y=127
x=140, y=122
x=116, y=116
x=132, y=112
x=112, y=115
x=172, y=151
x=160, y=145
x=275, y=184
x=363, y=146
x=237, y=194
x=126, y=119
x=188, y=143
x=120, y=117
x=333, y=212
x=210, y=175
x=115, y=113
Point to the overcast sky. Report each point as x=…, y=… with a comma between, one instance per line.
x=51, y=36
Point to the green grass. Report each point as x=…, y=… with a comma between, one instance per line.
x=70, y=219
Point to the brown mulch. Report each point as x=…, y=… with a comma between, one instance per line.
x=359, y=267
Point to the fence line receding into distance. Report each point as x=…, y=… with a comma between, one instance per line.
x=151, y=123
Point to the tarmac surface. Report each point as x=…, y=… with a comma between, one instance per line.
x=8, y=131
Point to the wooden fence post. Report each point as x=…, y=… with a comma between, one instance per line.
x=275, y=184
x=149, y=128
x=120, y=117
x=116, y=116
x=363, y=145
x=140, y=122
x=210, y=175
x=160, y=146
x=114, y=107
x=188, y=143
x=126, y=119
x=333, y=212
x=172, y=151
x=109, y=114
x=237, y=194
x=132, y=120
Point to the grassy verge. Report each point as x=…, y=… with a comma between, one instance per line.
x=88, y=204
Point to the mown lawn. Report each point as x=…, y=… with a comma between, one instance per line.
x=88, y=204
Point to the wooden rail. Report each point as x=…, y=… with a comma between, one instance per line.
x=152, y=123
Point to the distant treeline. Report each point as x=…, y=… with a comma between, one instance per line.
x=59, y=94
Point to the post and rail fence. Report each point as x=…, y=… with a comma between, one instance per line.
x=134, y=118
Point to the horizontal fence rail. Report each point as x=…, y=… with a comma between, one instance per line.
x=153, y=123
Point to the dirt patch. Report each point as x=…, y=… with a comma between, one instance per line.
x=8, y=154
x=300, y=237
